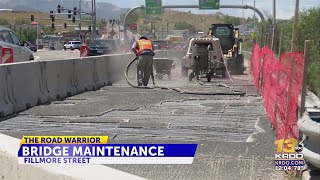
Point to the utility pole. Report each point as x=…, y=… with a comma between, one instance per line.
x=254, y=15
x=242, y=11
x=305, y=74
x=94, y=29
x=37, y=41
x=280, y=43
x=80, y=21
x=295, y=26
x=274, y=25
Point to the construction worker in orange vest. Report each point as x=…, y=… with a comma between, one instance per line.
x=143, y=48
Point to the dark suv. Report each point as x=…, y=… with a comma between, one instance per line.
x=104, y=46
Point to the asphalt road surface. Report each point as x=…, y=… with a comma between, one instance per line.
x=235, y=139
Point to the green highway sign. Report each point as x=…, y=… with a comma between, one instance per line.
x=153, y=7
x=209, y=4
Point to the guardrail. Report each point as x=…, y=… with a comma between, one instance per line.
x=309, y=128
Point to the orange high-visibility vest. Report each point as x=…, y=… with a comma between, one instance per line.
x=144, y=45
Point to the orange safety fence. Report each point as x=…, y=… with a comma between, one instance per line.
x=279, y=80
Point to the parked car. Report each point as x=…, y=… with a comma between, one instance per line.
x=104, y=46
x=31, y=46
x=72, y=45
x=9, y=39
x=161, y=45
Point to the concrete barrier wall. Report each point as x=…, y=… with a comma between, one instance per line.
x=6, y=106
x=59, y=78
x=27, y=84
x=84, y=73
x=24, y=85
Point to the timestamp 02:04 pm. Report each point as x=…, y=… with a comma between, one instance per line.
x=286, y=168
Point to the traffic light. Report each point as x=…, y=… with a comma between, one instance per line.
x=89, y=28
x=69, y=13
x=51, y=14
x=73, y=19
x=59, y=9
x=75, y=11
x=65, y=25
x=32, y=17
x=52, y=25
x=52, y=19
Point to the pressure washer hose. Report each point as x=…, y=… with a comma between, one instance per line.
x=174, y=89
x=143, y=87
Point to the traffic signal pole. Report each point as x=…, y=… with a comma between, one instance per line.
x=80, y=21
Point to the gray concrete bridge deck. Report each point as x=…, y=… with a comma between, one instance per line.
x=234, y=135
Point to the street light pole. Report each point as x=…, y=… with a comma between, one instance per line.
x=274, y=24
x=242, y=11
x=37, y=41
x=295, y=26
x=254, y=14
x=93, y=30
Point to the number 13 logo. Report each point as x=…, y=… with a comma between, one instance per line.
x=286, y=145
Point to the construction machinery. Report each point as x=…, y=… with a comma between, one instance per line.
x=162, y=67
x=230, y=45
x=204, y=58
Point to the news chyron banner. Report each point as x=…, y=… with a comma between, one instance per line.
x=96, y=150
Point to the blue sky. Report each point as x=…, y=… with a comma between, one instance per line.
x=284, y=9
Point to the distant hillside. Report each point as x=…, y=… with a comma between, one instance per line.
x=104, y=9
x=200, y=21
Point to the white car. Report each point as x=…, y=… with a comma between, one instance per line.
x=72, y=45
x=8, y=39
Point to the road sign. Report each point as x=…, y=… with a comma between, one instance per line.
x=133, y=27
x=153, y=7
x=209, y=4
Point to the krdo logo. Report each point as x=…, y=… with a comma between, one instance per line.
x=286, y=145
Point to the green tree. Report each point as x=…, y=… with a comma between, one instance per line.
x=232, y=20
x=4, y=21
x=22, y=21
x=27, y=34
x=309, y=29
x=48, y=30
